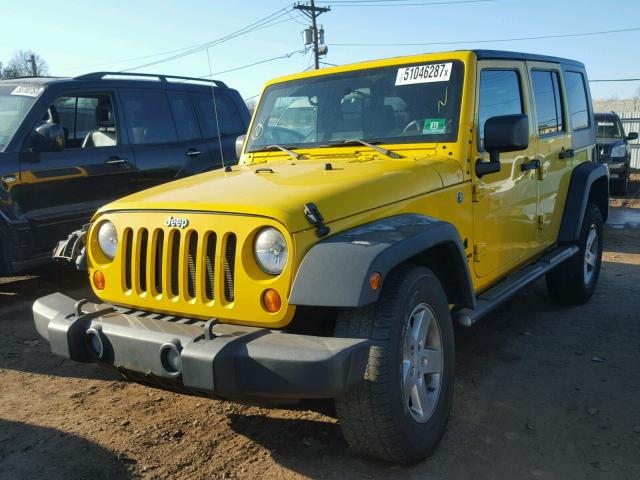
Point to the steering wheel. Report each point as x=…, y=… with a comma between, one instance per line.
x=413, y=125
x=278, y=134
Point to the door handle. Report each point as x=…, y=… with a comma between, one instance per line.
x=192, y=152
x=9, y=178
x=568, y=153
x=532, y=165
x=115, y=160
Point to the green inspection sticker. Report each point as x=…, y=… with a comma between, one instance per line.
x=434, y=125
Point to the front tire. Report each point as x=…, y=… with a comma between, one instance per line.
x=574, y=281
x=399, y=413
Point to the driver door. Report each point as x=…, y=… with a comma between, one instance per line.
x=504, y=203
x=58, y=191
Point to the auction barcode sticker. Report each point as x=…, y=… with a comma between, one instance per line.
x=27, y=90
x=433, y=72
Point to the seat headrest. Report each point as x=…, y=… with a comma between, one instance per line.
x=104, y=114
x=378, y=120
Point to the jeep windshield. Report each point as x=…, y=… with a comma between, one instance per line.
x=413, y=103
x=15, y=102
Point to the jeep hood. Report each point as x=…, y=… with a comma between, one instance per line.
x=279, y=189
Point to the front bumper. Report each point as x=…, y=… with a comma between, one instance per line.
x=216, y=359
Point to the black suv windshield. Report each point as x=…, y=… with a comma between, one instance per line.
x=414, y=103
x=15, y=102
x=608, y=127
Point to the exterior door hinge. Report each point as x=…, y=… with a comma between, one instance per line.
x=541, y=221
x=477, y=193
x=478, y=250
x=541, y=171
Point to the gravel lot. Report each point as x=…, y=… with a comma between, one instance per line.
x=543, y=391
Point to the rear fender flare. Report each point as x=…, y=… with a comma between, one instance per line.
x=589, y=184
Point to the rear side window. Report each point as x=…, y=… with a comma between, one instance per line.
x=546, y=93
x=577, y=99
x=228, y=117
x=148, y=117
x=499, y=95
x=183, y=116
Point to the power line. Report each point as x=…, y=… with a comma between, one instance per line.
x=265, y=22
x=386, y=3
x=563, y=35
x=286, y=55
x=617, y=80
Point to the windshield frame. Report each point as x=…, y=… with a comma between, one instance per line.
x=458, y=79
x=7, y=90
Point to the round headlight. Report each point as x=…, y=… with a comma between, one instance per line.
x=270, y=250
x=108, y=239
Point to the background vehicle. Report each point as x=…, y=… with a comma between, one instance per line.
x=613, y=149
x=374, y=205
x=71, y=145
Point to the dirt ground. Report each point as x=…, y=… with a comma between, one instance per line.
x=542, y=391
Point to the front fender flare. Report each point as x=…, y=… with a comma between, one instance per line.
x=335, y=272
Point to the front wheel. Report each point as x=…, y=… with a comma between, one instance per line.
x=399, y=413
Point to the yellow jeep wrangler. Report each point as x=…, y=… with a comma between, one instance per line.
x=373, y=205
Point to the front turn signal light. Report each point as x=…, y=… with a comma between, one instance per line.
x=98, y=280
x=271, y=300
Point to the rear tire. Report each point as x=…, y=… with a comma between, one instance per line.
x=574, y=281
x=399, y=413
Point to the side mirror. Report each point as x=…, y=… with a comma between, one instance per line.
x=505, y=133
x=48, y=137
x=239, y=144
x=632, y=136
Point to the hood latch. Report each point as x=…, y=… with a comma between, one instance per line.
x=315, y=218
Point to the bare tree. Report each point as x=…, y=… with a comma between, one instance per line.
x=25, y=63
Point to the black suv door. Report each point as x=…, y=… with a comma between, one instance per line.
x=220, y=133
x=60, y=190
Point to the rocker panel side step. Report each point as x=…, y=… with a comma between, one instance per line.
x=510, y=285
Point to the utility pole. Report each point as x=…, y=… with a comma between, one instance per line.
x=34, y=69
x=313, y=13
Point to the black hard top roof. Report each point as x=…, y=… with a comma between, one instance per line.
x=534, y=57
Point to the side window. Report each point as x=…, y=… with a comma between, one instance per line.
x=148, y=117
x=183, y=116
x=577, y=100
x=88, y=120
x=500, y=94
x=546, y=93
x=228, y=117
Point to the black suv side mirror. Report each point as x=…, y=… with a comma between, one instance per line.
x=632, y=136
x=505, y=133
x=239, y=144
x=48, y=137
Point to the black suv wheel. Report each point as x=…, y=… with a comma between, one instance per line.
x=400, y=412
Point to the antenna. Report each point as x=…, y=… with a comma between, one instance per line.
x=215, y=110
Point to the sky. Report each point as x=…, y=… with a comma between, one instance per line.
x=83, y=36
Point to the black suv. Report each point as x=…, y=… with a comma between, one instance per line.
x=613, y=149
x=70, y=145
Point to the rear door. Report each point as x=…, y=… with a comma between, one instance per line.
x=153, y=137
x=58, y=191
x=554, y=148
x=505, y=202
x=221, y=124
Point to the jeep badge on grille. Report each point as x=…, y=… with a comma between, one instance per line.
x=176, y=222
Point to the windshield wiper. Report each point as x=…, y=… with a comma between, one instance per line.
x=384, y=151
x=277, y=147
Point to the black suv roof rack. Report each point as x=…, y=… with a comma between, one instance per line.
x=162, y=78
